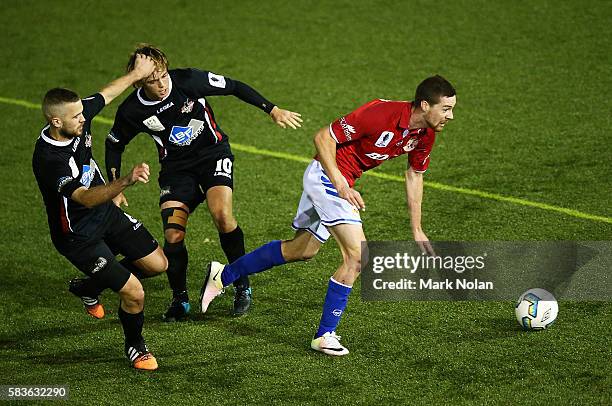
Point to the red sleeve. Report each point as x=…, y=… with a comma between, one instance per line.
x=356, y=124
x=419, y=157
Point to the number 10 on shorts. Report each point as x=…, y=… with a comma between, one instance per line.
x=224, y=167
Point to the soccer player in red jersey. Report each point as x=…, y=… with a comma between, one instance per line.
x=362, y=140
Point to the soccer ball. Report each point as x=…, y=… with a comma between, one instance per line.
x=536, y=309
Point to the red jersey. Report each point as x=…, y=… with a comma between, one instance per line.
x=376, y=132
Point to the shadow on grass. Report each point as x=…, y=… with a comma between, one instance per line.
x=25, y=339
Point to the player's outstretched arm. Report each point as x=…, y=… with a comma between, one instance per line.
x=326, y=149
x=414, y=196
x=100, y=194
x=143, y=67
x=284, y=118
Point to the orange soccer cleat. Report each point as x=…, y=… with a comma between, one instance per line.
x=146, y=362
x=80, y=288
x=96, y=311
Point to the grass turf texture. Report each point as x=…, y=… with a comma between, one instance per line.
x=532, y=121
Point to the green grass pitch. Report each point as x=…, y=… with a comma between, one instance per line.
x=533, y=121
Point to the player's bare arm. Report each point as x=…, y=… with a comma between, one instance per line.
x=284, y=118
x=414, y=196
x=100, y=194
x=119, y=200
x=144, y=66
x=326, y=148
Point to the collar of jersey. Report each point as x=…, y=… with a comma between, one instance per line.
x=52, y=141
x=151, y=103
x=404, y=121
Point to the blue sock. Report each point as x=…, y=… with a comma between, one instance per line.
x=335, y=303
x=264, y=257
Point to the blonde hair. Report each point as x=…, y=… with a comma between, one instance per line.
x=161, y=62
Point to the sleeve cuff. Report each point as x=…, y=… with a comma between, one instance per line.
x=331, y=131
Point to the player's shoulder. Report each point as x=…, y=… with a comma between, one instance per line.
x=382, y=109
x=47, y=150
x=389, y=104
x=96, y=98
x=381, y=105
x=129, y=101
x=179, y=74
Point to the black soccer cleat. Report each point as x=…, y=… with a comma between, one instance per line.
x=179, y=309
x=243, y=299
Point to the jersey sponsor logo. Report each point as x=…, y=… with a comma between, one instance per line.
x=411, y=144
x=63, y=181
x=88, y=140
x=348, y=129
x=154, y=124
x=183, y=136
x=89, y=171
x=112, y=137
x=164, y=108
x=216, y=80
x=384, y=139
x=378, y=157
x=187, y=107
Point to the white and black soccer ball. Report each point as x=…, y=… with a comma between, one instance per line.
x=536, y=309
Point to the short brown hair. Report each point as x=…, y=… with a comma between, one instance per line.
x=432, y=90
x=56, y=97
x=161, y=62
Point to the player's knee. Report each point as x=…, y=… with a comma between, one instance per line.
x=159, y=263
x=224, y=220
x=352, y=259
x=309, y=253
x=132, y=295
x=174, y=220
x=174, y=236
x=295, y=250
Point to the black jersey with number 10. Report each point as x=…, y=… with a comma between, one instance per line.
x=182, y=124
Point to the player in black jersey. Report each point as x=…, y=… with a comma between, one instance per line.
x=86, y=227
x=195, y=156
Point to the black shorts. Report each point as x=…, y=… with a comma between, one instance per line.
x=96, y=258
x=190, y=186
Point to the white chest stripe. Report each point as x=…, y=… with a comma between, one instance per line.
x=73, y=167
x=66, y=211
x=158, y=140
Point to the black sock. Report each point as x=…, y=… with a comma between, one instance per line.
x=132, y=328
x=177, y=267
x=134, y=270
x=232, y=244
x=90, y=288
